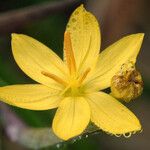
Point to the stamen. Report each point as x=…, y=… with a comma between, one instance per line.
x=54, y=77
x=84, y=75
x=69, y=53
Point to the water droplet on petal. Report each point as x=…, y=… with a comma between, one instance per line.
x=127, y=135
x=134, y=132
x=141, y=130
x=118, y=135
x=58, y=145
x=79, y=137
x=76, y=12
x=74, y=140
x=73, y=20
x=109, y=133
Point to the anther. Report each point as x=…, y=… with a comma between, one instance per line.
x=84, y=75
x=54, y=77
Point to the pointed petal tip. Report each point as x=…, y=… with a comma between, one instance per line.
x=65, y=138
x=15, y=36
x=126, y=121
x=136, y=127
x=81, y=7
x=18, y=35
x=139, y=35
x=142, y=35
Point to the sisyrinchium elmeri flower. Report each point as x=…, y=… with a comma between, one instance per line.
x=75, y=84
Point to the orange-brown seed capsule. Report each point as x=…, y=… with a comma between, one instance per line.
x=127, y=84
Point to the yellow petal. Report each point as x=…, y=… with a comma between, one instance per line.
x=85, y=37
x=30, y=96
x=112, y=58
x=33, y=57
x=110, y=115
x=71, y=118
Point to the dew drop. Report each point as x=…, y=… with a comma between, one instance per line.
x=118, y=135
x=76, y=13
x=86, y=136
x=58, y=145
x=73, y=20
x=141, y=130
x=133, y=132
x=127, y=135
x=79, y=137
x=74, y=140
x=110, y=133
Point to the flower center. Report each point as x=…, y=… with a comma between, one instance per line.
x=75, y=88
x=74, y=85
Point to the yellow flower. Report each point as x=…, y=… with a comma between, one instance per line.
x=73, y=84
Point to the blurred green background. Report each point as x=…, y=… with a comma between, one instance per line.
x=117, y=18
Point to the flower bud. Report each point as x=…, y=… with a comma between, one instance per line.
x=127, y=84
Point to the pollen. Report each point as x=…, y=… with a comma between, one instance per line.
x=84, y=75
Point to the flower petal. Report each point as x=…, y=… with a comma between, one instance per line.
x=33, y=57
x=30, y=96
x=85, y=37
x=71, y=118
x=110, y=115
x=112, y=58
